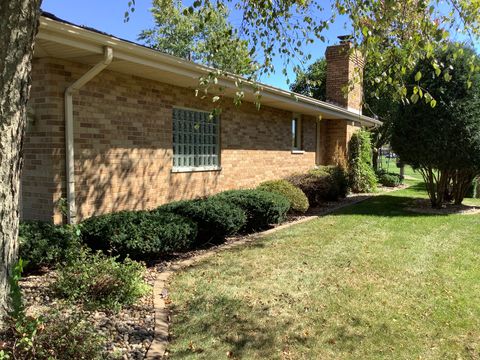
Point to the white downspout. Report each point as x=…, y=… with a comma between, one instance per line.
x=69, y=140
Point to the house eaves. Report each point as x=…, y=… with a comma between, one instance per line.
x=58, y=38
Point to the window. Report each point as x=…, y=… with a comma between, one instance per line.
x=195, y=140
x=297, y=133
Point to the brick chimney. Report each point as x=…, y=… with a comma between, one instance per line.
x=341, y=65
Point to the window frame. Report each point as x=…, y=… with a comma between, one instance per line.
x=297, y=134
x=180, y=169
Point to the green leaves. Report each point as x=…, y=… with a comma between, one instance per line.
x=418, y=76
x=200, y=33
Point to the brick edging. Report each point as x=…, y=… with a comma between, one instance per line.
x=159, y=344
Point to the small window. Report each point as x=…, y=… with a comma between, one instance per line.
x=195, y=140
x=297, y=133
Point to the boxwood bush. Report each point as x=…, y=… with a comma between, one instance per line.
x=389, y=179
x=139, y=234
x=298, y=200
x=325, y=183
x=263, y=208
x=43, y=244
x=216, y=219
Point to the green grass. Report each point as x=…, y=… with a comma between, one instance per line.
x=371, y=281
x=391, y=166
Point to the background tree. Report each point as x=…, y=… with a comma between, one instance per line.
x=443, y=142
x=204, y=36
x=312, y=82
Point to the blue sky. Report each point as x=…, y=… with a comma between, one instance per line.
x=107, y=16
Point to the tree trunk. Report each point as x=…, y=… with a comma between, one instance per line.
x=18, y=26
x=375, y=154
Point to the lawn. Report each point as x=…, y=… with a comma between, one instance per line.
x=371, y=281
x=391, y=166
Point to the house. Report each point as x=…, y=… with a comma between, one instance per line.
x=115, y=125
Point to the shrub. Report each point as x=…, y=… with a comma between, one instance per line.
x=43, y=244
x=100, y=282
x=298, y=200
x=360, y=171
x=139, y=234
x=389, y=179
x=327, y=183
x=56, y=335
x=262, y=208
x=216, y=219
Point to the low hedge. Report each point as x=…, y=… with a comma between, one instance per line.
x=298, y=200
x=139, y=234
x=325, y=183
x=263, y=208
x=389, y=179
x=216, y=219
x=43, y=244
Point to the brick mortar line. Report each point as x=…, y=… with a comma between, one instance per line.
x=160, y=341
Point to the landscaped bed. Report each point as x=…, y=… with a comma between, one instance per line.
x=370, y=281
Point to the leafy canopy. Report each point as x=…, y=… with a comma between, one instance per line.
x=443, y=142
x=312, y=82
x=204, y=36
x=392, y=35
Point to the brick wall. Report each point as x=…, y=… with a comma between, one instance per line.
x=123, y=144
x=341, y=73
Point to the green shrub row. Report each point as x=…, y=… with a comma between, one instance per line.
x=182, y=225
x=262, y=208
x=216, y=219
x=139, y=234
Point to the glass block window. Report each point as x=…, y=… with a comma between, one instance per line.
x=195, y=140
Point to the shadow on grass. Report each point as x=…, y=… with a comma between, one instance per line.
x=389, y=205
x=233, y=325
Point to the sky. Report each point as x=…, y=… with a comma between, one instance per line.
x=108, y=16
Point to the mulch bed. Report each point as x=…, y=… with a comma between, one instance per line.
x=423, y=206
x=129, y=332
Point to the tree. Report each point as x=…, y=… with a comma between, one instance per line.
x=443, y=142
x=18, y=25
x=313, y=81
x=205, y=36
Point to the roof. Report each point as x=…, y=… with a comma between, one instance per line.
x=62, y=39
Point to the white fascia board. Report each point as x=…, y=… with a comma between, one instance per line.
x=94, y=42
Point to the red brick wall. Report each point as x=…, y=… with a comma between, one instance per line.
x=123, y=144
x=341, y=73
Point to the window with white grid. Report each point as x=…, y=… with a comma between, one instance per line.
x=195, y=140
